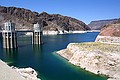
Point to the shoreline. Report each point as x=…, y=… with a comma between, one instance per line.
x=13, y=73
x=108, y=39
x=58, y=32
x=97, y=62
x=62, y=32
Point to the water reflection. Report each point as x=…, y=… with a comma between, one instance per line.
x=37, y=51
x=37, y=48
x=10, y=55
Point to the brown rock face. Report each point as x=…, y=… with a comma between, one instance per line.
x=111, y=30
x=98, y=25
x=24, y=19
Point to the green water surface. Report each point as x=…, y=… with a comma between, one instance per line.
x=45, y=61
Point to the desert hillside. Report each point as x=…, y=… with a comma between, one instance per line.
x=98, y=25
x=25, y=18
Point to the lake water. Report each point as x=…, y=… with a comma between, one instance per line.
x=45, y=61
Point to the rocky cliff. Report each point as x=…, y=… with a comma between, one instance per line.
x=111, y=30
x=97, y=25
x=110, y=33
x=25, y=18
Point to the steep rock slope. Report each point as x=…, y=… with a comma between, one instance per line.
x=110, y=34
x=97, y=25
x=25, y=18
x=111, y=30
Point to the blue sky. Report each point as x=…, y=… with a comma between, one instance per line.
x=84, y=10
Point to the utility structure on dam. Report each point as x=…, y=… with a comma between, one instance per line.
x=37, y=33
x=9, y=35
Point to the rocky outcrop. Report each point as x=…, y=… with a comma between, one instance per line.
x=25, y=18
x=111, y=30
x=12, y=73
x=98, y=58
x=98, y=25
x=110, y=34
x=27, y=73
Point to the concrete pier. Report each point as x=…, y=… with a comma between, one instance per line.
x=9, y=35
x=37, y=33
